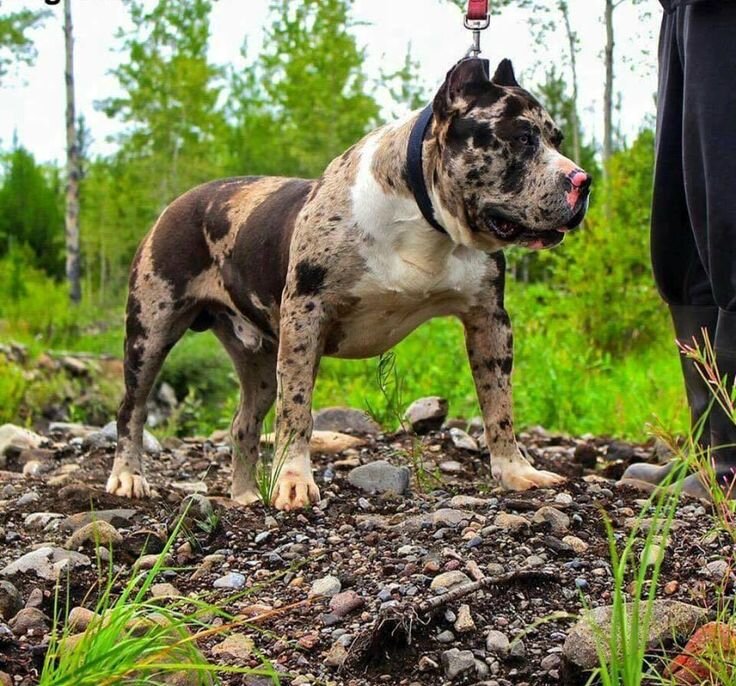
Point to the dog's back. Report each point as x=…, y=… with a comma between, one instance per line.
x=222, y=249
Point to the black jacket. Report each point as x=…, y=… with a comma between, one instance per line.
x=670, y=5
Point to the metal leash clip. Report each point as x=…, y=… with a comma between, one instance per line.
x=477, y=19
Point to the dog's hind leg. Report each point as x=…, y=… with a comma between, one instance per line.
x=257, y=376
x=151, y=330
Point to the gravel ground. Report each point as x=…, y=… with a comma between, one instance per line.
x=349, y=580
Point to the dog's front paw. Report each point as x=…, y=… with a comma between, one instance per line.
x=522, y=477
x=128, y=485
x=294, y=490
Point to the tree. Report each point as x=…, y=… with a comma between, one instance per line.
x=73, y=166
x=573, y=43
x=174, y=136
x=307, y=97
x=170, y=96
x=608, y=90
x=15, y=43
x=31, y=218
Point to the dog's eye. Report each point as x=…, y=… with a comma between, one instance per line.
x=525, y=139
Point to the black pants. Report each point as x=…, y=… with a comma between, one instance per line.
x=694, y=206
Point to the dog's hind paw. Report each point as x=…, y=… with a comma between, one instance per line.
x=128, y=485
x=294, y=491
x=524, y=477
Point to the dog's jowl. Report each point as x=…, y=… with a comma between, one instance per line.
x=286, y=270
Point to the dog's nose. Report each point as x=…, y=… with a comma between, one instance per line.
x=580, y=180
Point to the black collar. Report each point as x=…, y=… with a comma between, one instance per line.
x=415, y=168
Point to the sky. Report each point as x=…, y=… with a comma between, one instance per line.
x=32, y=99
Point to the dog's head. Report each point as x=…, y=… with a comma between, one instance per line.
x=500, y=174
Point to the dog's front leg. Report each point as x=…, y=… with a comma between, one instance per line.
x=489, y=343
x=298, y=360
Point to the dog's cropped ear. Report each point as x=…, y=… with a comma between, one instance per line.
x=505, y=76
x=465, y=82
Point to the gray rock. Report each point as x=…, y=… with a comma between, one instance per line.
x=15, y=438
x=447, y=580
x=444, y=517
x=40, y=520
x=445, y=637
x=669, y=618
x=344, y=603
x=498, y=643
x=563, y=499
x=550, y=662
x=232, y=580
x=27, y=499
x=120, y=517
x=467, y=501
x=165, y=590
x=95, y=533
x=451, y=467
x=481, y=671
x=380, y=477
x=558, y=521
x=327, y=586
x=196, y=508
x=427, y=414
x=109, y=435
x=72, y=430
x=463, y=440
x=577, y=544
x=29, y=620
x=511, y=522
x=517, y=650
x=11, y=601
x=456, y=662
x=718, y=570
x=464, y=623
x=35, y=598
x=46, y=563
x=344, y=419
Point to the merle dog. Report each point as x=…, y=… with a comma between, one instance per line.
x=408, y=224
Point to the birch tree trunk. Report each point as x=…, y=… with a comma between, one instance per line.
x=608, y=92
x=72, y=165
x=572, y=43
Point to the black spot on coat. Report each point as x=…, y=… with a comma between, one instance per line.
x=310, y=278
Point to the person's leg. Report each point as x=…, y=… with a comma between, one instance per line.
x=678, y=269
x=709, y=157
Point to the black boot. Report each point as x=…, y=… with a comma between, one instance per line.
x=689, y=321
x=722, y=427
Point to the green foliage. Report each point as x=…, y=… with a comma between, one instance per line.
x=622, y=652
x=553, y=94
x=140, y=641
x=32, y=303
x=605, y=270
x=306, y=98
x=15, y=43
x=36, y=228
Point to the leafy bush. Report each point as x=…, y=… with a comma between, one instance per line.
x=605, y=270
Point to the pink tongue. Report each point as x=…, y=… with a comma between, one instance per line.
x=536, y=245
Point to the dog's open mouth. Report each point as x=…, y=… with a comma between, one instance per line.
x=511, y=232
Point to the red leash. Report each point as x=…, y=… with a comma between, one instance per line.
x=477, y=19
x=477, y=10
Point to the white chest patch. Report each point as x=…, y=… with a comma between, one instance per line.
x=413, y=272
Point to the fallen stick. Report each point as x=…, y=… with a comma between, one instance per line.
x=393, y=627
x=461, y=591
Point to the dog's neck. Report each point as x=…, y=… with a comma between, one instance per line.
x=389, y=165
